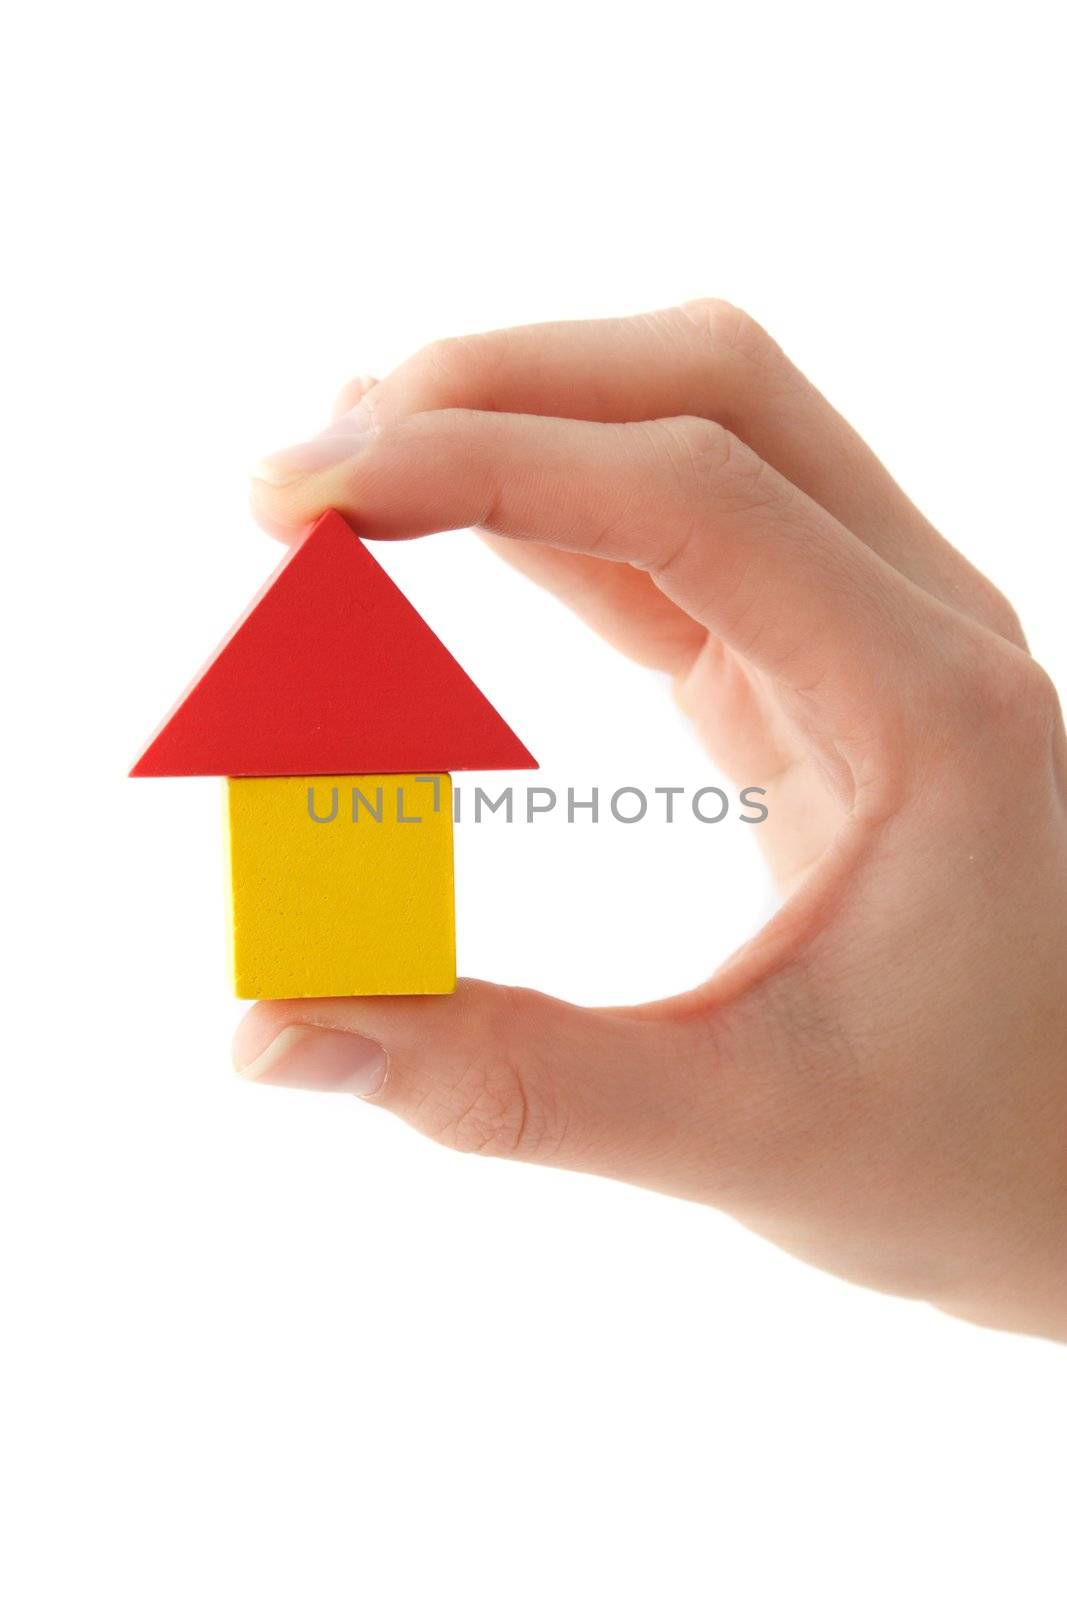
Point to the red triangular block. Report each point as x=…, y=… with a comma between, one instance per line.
x=331, y=670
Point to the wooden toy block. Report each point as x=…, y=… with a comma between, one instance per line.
x=341, y=885
x=331, y=669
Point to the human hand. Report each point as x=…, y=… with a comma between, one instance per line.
x=878, y=1080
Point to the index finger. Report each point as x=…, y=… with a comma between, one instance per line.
x=732, y=543
x=703, y=359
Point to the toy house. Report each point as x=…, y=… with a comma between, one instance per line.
x=336, y=716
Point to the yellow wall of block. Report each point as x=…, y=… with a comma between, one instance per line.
x=345, y=904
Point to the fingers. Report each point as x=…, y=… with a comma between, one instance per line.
x=737, y=548
x=505, y=1072
x=352, y=393
x=620, y=603
x=705, y=359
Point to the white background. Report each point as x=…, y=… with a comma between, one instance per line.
x=263, y=1344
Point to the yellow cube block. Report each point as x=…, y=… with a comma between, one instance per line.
x=341, y=885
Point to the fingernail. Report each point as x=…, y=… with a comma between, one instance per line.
x=304, y=1057
x=342, y=440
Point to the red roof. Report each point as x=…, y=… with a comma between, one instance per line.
x=331, y=670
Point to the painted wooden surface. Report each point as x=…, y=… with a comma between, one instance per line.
x=331, y=669
x=341, y=885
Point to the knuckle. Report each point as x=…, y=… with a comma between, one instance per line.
x=1004, y=692
x=695, y=446
x=1029, y=693
x=495, y=1105
x=350, y=394
x=729, y=332
x=447, y=367
x=992, y=719
x=487, y=1112
x=710, y=470
x=998, y=613
x=707, y=456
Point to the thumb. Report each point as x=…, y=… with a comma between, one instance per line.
x=508, y=1072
